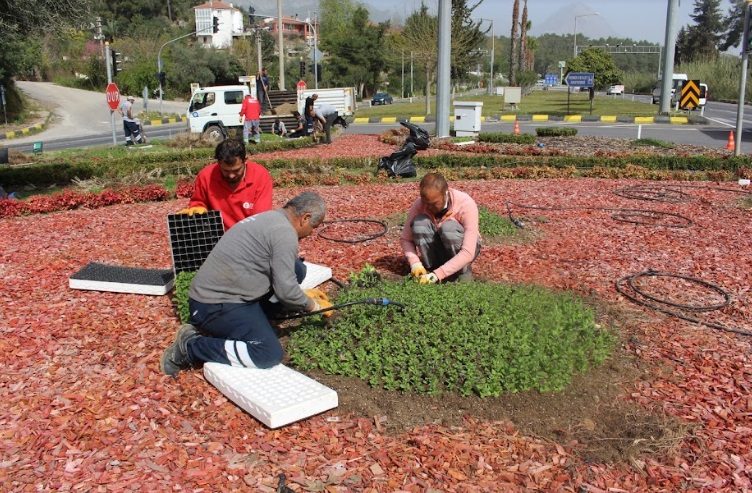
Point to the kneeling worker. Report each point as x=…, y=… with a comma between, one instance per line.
x=441, y=237
x=229, y=297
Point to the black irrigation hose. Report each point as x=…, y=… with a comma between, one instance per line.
x=366, y=301
x=359, y=240
x=727, y=299
x=620, y=214
x=666, y=193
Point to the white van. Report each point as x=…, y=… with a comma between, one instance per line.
x=678, y=81
x=214, y=110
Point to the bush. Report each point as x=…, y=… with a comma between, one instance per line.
x=502, y=138
x=494, y=339
x=555, y=131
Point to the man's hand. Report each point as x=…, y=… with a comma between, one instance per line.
x=321, y=304
x=316, y=294
x=193, y=210
x=417, y=270
x=430, y=278
x=241, y=118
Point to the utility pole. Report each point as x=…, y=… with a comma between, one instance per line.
x=280, y=39
x=746, y=48
x=668, y=61
x=443, y=69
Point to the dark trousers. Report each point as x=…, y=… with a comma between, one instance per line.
x=330, y=119
x=238, y=334
x=438, y=245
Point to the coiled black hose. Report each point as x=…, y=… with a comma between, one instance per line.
x=630, y=280
x=321, y=232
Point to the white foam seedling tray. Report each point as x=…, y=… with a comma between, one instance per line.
x=101, y=277
x=277, y=396
x=315, y=275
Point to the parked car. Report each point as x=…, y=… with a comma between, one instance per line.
x=381, y=98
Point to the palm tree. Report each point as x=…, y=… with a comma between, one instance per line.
x=513, y=56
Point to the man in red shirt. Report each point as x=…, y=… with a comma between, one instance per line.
x=250, y=111
x=235, y=187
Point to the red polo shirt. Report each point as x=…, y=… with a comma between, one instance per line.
x=252, y=195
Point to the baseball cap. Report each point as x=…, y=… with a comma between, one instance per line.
x=131, y=98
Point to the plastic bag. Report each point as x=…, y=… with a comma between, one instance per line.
x=400, y=163
x=417, y=136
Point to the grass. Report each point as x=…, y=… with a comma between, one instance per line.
x=653, y=142
x=537, y=102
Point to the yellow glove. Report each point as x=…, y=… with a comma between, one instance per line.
x=316, y=294
x=193, y=210
x=429, y=278
x=320, y=304
x=417, y=270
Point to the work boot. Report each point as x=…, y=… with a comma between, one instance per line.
x=176, y=357
x=466, y=275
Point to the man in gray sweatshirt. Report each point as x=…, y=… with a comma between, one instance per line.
x=229, y=299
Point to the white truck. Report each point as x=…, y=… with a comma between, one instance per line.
x=214, y=110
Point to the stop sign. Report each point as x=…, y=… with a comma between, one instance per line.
x=301, y=85
x=113, y=96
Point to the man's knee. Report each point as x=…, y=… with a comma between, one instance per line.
x=270, y=356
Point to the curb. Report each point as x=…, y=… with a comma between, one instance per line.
x=164, y=121
x=641, y=120
x=23, y=132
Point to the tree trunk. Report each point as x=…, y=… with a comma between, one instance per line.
x=513, y=56
x=524, y=65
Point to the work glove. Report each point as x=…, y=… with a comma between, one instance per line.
x=321, y=304
x=417, y=270
x=429, y=278
x=193, y=210
x=316, y=294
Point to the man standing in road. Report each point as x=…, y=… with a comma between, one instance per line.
x=230, y=297
x=130, y=124
x=441, y=237
x=250, y=117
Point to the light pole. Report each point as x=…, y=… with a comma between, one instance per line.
x=269, y=18
x=159, y=61
x=575, y=28
x=312, y=25
x=493, y=44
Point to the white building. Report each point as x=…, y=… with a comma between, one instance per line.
x=230, y=24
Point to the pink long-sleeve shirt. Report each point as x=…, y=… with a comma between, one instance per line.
x=463, y=209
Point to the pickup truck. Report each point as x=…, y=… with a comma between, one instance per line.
x=342, y=98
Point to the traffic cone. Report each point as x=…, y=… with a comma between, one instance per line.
x=516, y=127
x=730, y=146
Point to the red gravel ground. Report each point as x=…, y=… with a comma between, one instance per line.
x=85, y=407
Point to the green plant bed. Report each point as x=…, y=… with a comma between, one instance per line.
x=555, y=132
x=502, y=138
x=471, y=338
x=652, y=142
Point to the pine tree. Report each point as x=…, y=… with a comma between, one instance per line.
x=704, y=38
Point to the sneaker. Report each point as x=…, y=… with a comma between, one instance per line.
x=176, y=357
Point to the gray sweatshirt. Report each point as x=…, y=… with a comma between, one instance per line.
x=255, y=255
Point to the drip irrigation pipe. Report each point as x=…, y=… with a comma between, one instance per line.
x=360, y=240
x=620, y=214
x=658, y=192
x=630, y=280
x=366, y=301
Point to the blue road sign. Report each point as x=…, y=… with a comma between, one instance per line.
x=552, y=80
x=580, y=79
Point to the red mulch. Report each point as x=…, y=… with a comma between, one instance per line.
x=85, y=407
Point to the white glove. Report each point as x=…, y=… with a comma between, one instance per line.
x=430, y=278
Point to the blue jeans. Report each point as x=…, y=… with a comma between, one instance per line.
x=238, y=334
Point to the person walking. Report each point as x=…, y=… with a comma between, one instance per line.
x=130, y=123
x=250, y=117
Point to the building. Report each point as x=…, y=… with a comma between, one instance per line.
x=229, y=24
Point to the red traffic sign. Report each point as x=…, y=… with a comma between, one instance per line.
x=301, y=85
x=113, y=96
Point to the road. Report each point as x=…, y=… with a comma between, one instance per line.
x=83, y=120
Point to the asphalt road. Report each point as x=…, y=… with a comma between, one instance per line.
x=83, y=120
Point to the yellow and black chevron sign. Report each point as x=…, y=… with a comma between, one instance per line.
x=690, y=95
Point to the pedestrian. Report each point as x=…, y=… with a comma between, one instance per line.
x=328, y=116
x=262, y=90
x=233, y=185
x=441, y=237
x=229, y=298
x=278, y=128
x=250, y=117
x=130, y=125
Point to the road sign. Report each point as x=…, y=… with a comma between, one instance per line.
x=113, y=96
x=552, y=80
x=301, y=85
x=580, y=79
x=690, y=95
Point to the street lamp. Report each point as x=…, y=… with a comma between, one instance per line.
x=493, y=44
x=575, y=28
x=280, y=42
x=312, y=25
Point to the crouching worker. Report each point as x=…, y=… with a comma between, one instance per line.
x=229, y=299
x=441, y=236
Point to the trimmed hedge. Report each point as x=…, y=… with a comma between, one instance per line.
x=503, y=138
x=555, y=131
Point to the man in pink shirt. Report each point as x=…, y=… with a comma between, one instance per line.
x=250, y=117
x=441, y=237
x=233, y=186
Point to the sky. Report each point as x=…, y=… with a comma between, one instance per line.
x=635, y=19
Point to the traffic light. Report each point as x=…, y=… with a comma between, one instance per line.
x=302, y=69
x=747, y=42
x=116, y=61
x=215, y=24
